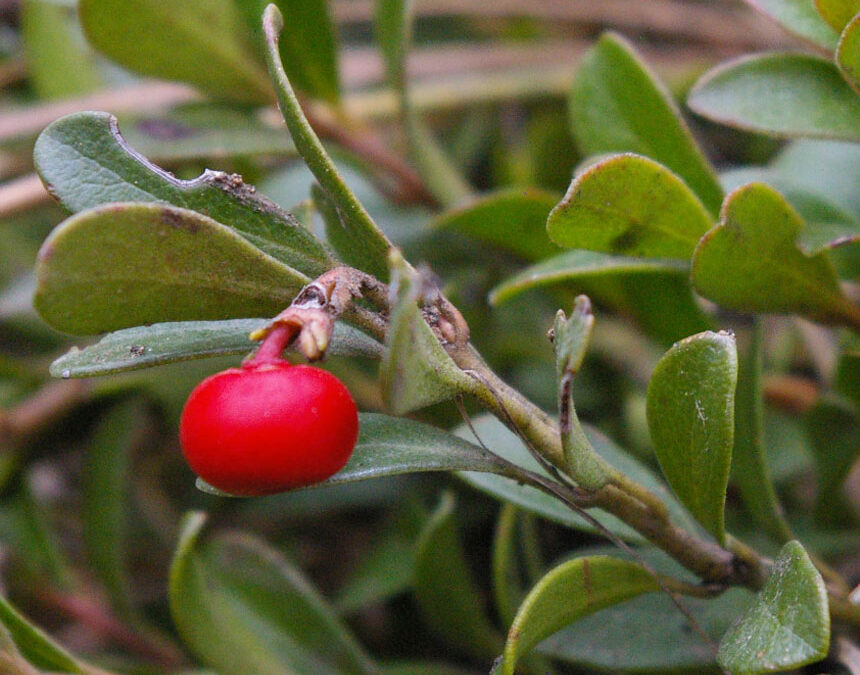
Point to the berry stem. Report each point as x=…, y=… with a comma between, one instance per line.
x=273, y=345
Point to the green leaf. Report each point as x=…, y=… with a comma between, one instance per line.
x=392, y=445
x=392, y=28
x=106, y=496
x=308, y=47
x=85, y=162
x=415, y=370
x=354, y=216
x=444, y=589
x=750, y=261
x=580, y=264
x=503, y=442
x=160, y=343
x=629, y=205
x=788, y=625
x=799, y=17
x=834, y=438
x=242, y=608
x=813, y=98
x=618, y=105
x=201, y=42
x=121, y=265
x=848, y=53
x=513, y=219
x=569, y=592
x=750, y=470
x=36, y=645
x=690, y=410
x=837, y=12
x=58, y=63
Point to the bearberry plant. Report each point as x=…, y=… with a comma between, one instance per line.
x=601, y=325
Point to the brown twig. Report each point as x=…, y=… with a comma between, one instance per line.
x=48, y=404
x=20, y=194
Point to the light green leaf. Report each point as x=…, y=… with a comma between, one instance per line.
x=618, y=105
x=781, y=94
x=837, y=12
x=799, y=17
x=415, y=370
x=354, y=216
x=569, y=592
x=848, y=53
x=629, y=205
x=85, y=162
x=580, y=264
x=308, y=46
x=690, y=410
x=444, y=589
x=750, y=261
x=160, y=343
x=59, y=65
x=201, y=42
x=242, y=608
x=513, y=219
x=122, y=265
x=788, y=626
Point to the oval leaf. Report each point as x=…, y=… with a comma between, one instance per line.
x=160, y=343
x=788, y=625
x=751, y=261
x=122, y=265
x=629, y=205
x=201, y=42
x=799, y=17
x=513, y=219
x=617, y=104
x=569, y=592
x=85, y=162
x=242, y=608
x=451, y=604
x=581, y=264
x=690, y=409
x=848, y=53
x=837, y=12
x=813, y=98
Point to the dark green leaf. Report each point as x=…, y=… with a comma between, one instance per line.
x=513, y=219
x=201, y=42
x=579, y=264
x=848, y=53
x=570, y=592
x=837, y=12
x=242, y=608
x=750, y=470
x=813, y=98
x=85, y=162
x=800, y=17
x=160, y=343
x=121, y=265
x=106, y=496
x=308, y=46
x=421, y=668
x=503, y=442
x=354, y=216
x=788, y=625
x=618, y=105
x=415, y=370
x=750, y=261
x=36, y=645
x=691, y=417
x=58, y=63
x=629, y=205
x=446, y=594
x=834, y=436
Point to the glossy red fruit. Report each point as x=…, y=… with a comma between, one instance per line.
x=268, y=427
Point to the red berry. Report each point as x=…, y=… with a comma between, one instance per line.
x=268, y=427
